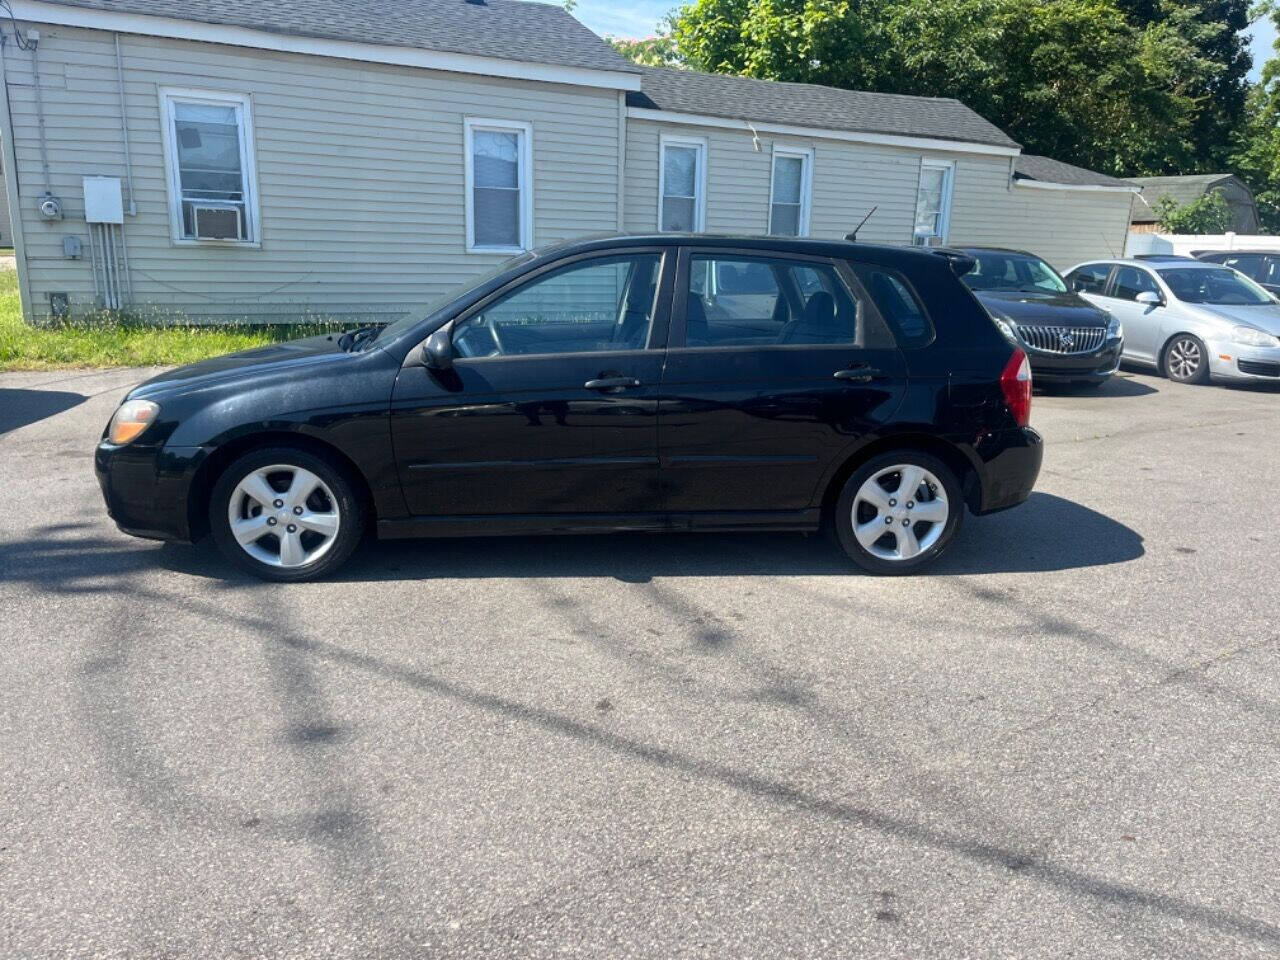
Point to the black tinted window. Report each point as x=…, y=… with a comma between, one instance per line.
x=757, y=301
x=1130, y=281
x=898, y=304
x=1089, y=279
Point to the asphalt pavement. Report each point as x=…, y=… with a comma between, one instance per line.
x=1064, y=741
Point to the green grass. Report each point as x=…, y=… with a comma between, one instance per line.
x=114, y=342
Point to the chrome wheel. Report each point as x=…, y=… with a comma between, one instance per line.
x=1184, y=359
x=283, y=515
x=900, y=512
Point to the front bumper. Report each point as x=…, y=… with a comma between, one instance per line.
x=1067, y=368
x=1010, y=466
x=145, y=488
x=1232, y=361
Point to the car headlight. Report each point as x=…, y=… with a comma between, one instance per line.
x=1115, y=329
x=1006, y=329
x=131, y=419
x=1253, y=337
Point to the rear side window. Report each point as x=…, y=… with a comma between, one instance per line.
x=898, y=304
x=743, y=301
x=1089, y=279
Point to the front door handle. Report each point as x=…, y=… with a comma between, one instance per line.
x=862, y=374
x=611, y=383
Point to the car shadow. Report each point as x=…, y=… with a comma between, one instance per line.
x=18, y=408
x=1047, y=533
x=1113, y=387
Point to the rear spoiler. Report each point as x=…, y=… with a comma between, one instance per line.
x=961, y=263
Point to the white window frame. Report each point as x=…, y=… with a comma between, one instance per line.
x=805, y=155
x=524, y=176
x=948, y=191
x=169, y=96
x=699, y=180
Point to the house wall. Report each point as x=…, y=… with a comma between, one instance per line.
x=360, y=174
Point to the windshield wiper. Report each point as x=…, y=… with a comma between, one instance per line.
x=352, y=339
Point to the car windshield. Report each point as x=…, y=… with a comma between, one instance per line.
x=1223, y=286
x=455, y=292
x=998, y=270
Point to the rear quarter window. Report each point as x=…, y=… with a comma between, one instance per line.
x=898, y=303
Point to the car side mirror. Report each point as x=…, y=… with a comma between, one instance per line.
x=437, y=350
x=1150, y=298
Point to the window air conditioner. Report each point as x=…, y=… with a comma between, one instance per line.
x=217, y=221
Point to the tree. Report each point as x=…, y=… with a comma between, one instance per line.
x=659, y=51
x=1257, y=157
x=1205, y=214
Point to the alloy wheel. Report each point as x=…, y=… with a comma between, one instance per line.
x=283, y=516
x=1184, y=359
x=900, y=512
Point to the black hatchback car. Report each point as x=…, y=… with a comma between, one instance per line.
x=1067, y=339
x=625, y=383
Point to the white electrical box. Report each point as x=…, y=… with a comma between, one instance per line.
x=103, y=200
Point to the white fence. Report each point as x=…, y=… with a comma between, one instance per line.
x=1184, y=243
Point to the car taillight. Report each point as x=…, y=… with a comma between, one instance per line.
x=1015, y=384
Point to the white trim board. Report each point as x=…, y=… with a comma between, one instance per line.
x=1086, y=187
x=35, y=11
x=881, y=139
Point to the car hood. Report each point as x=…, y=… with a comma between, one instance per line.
x=1057, y=309
x=294, y=357
x=1264, y=317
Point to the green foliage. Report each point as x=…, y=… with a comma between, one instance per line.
x=1123, y=86
x=106, y=341
x=1257, y=157
x=657, y=51
x=1209, y=213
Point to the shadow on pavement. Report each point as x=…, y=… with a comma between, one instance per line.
x=1113, y=388
x=21, y=407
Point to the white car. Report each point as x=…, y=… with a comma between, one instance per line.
x=1192, y=321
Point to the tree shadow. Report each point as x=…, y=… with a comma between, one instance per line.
x=18, y=408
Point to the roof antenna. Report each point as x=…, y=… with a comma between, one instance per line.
x=853, y=237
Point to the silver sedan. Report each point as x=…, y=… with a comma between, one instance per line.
x=1192, y=321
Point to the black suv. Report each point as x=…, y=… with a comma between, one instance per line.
x=622, y=383
x=1067, y=339
x=1261, y=266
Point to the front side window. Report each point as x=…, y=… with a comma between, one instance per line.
x=683, y=174
x=1130, y=281
x=1091, y=278
x=790, y=194
x=586, y=307
x=998, y=270
x=1224, y=287
x=208, y=149
x=933, y=203
x=499, y=194
x=737, y=301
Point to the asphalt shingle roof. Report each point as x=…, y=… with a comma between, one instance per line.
x=1183, y=189
x=505, y=29
x=810, y=105
x=1047, y=170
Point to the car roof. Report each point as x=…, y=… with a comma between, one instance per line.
x=1187, y=263
x=981, y=248
x=1271, y=252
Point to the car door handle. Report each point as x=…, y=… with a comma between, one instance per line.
x=859, y=374
x=611, y=383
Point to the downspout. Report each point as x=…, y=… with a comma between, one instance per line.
x=622, y=161
x=124, y=127
x=11, y=187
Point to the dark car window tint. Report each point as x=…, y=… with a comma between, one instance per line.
x=1089, y=279
x=1251, y=265
x=1271, y=272
x=899, y=305
x=750, y=301
x=1130, y=281
x=998, y=270
x=595, y=305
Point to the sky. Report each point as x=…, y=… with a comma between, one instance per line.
x=639, y=18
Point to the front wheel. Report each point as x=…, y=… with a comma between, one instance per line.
x=1186, y=360
x=285, y=514
x=898, y=512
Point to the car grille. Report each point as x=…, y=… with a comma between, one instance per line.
x=1258, y=368
x=1063, y=339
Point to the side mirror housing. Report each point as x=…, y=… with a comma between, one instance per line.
x=1150, y=298
x=437, y=350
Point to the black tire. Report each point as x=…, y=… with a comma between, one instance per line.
x=340, y=498
x=922, y=531
x=1177, y=351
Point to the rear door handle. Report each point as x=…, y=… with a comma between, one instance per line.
x=611, y=383
x=859, y=374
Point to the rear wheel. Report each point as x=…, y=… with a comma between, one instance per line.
x=1186, y=360
x=285, y=514
x=898, y=512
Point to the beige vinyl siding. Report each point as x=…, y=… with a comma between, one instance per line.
x=360, y=174
x=1062, y=226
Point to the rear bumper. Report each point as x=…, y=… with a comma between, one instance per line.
x=1056, y=368
x=1010, y=465
x=145, y=488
